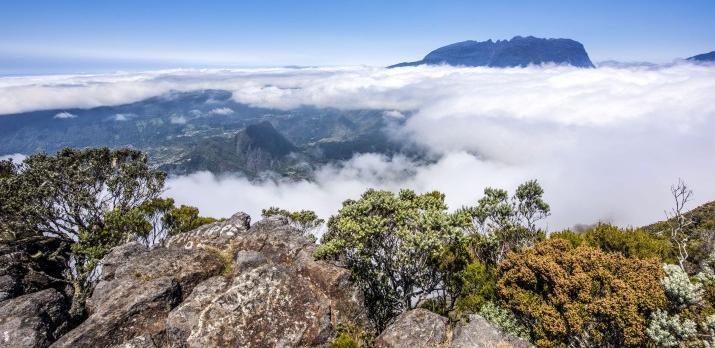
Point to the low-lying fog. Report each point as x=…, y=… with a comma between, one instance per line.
x=605, y=143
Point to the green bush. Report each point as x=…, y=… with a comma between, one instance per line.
x=629, y=242
x=392, y=244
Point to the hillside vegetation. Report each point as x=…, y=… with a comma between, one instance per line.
x=603, y=286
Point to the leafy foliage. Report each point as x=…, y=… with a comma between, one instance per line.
x=305, y=220
x=581, y=296
x=349, y=335
x=391, y=244
x=506, y=223
x=504, y=320
x=628, y=242
x=92, y=200
x=680, y=290
x=474, y=287
x=183, y=219
x=70, y=192
x=669, y=331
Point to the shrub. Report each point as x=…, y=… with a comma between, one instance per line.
x=580, y=295
x=474, y=286
x=504, y=320
x=669, y=331
x=305, y=220
x=680, y=290
x=628, y=242
x=394, y=244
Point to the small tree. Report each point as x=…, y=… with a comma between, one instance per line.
x=679, y=222
x=183, y=219
x=77, y=196
x=506, y=223
x=392, y=244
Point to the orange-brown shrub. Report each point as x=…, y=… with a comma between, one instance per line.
x=581, y=296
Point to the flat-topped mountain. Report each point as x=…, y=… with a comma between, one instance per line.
x=705, y=57
x=517, y=52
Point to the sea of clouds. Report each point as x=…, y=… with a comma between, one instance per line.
x=606, y=143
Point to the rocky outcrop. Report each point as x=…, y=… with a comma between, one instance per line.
x=422, y=328
x=417, y=328
x=33, y=320
x=31, y=265
x=277, y=296
x=477, y=332
x=224, y=284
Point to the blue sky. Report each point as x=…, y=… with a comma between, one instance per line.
x=85, y=36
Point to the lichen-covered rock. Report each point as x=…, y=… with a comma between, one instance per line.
x=277, y=296
x=137, y=290
x=33, y=320
x=223, y=284
x=477, y=332
x=418, y=328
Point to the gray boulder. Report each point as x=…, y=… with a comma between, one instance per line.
x=277, y=296
x=33, y=320
x=413, y=329
x=223, y=284
x=422, y=328
x=30, y=265
x=477, y=332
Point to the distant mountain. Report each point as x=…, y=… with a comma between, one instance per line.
x=705, y=57
x=519, y=51
x=185, y=132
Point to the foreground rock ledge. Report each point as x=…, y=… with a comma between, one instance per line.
x=420, y=328
x=224, y=284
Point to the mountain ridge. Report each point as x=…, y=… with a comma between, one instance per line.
x=517, y=52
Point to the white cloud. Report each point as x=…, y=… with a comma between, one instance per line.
x=393, y=114
x=221, y=111
x=123, y=117
x=16, y=157
x=64, y=115
x=605, y=143
x=178, y=119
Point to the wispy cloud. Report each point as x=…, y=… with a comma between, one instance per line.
x=64, y=115
x=178, y=119
x=123, y=117
x=221, y=111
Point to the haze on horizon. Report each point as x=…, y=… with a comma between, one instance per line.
x=47, y=37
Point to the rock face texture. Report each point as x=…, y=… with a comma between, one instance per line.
x=415, y=329
x=33, y=302
x=224, y=284
x=422, y=328
x=477, y=332
x=519, y=51
x=33, y=320
x=31, y=265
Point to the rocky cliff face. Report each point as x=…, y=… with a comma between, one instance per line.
x=224, y=284
x=517, y=52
